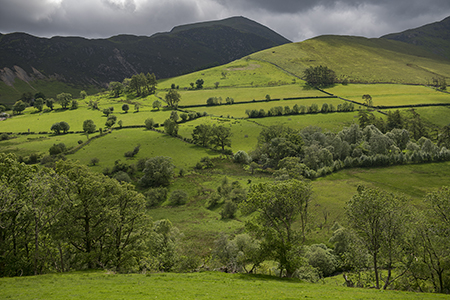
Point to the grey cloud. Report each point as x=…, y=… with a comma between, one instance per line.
x=295, y=19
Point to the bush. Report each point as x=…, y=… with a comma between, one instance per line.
x=57, y=149
x=241, y=157
x=122, y=177
x=178, y=197
x=322, y=258
x=229, y=210
x=184, y=116
x=156, y=196
x=149, y=123
x=95, y=161
x=4, y=137
x=213, y=200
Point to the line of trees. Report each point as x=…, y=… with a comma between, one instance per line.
x=215, y=136
x=300, y=110
x=141, y=84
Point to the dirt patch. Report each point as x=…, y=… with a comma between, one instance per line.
x=249, y=67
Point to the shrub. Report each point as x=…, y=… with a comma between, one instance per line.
x=229, y=210
x=156, y=196
x=178, y=197
x=122, y=177
x=149, y=123
x=241, y=157
x=322, y=258
x=184, y=116
x=213, y=200
x=95, y=161
x=57, y=149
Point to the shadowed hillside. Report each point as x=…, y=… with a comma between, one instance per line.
x=96, y=62
x=434, y=37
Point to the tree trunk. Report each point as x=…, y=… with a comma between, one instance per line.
x=375, y=268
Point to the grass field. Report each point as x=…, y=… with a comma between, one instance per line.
x=239, y=73
x=391, y=94
x=112, y=146
x=205, y=285
x=199, y=97
x=38, y=122
x=359, y=59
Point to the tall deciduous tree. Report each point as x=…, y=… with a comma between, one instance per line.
x=158, y=171
x=173, y=98
x=221, y=136
x=279, y=205
x=377, y=218
x=202, y=134
x=64, y=99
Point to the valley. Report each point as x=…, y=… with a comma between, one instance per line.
x=383, y=124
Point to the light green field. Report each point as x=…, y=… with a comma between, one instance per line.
x=390, y=94
x=439, y=116
x=238, y=110
x=359, y=59
x=332, y=121
x=241, y=72
x=39, y=122
x=199, y=97
x=39, y=143
x=203, y=285
x=245, y=132
x=112, y=146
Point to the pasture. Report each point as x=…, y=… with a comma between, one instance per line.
x=391, y=94
x=204, y=285
x=239, y=73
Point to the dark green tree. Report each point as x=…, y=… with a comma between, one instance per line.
x=158, y=171
x=19, y=107
x=279, y=205
x=39, y=104
x=171, y=127
x=221, y=136
x=319, y=76
x=89, y=126
x=116, y=88
x=202, y=134
x=172, y=98
x=64, y=99
x=199, y=83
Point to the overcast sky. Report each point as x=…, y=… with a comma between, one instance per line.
x=296, y=20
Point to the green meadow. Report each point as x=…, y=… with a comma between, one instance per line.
x=239, y=73
x=199, y=97
x=359, y=59
x=204, y=285
x=391, y=94
x=112, y=146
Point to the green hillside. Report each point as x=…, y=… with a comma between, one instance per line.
x=433, y=37
x=360, y=60
x=205, y=285
x=201, y=171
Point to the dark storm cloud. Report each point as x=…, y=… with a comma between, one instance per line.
x=295, y=19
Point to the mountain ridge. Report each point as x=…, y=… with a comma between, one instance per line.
x=435, y=37
x=98, y=61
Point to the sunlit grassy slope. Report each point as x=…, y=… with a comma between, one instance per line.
x=204, y=285
x=359, y=59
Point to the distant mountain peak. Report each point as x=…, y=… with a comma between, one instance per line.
x=434, y=37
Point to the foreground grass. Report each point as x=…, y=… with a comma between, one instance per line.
x=206, y=285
